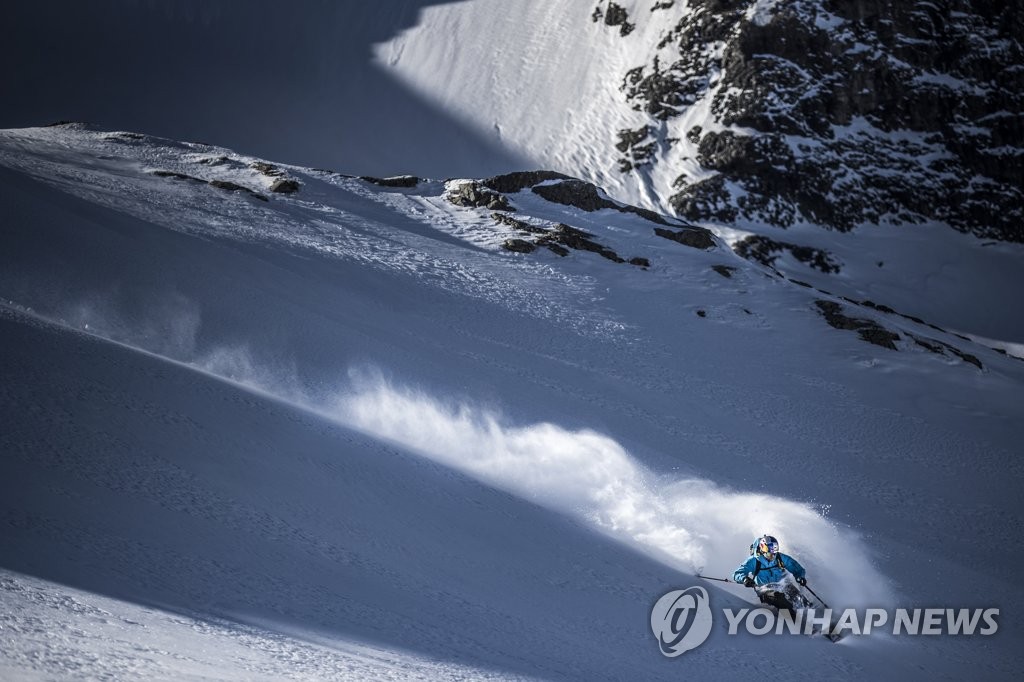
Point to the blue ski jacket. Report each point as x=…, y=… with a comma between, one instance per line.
x=768, y=572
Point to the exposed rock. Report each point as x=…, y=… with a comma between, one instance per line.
x=966, y=357
x=394, y=181
x=587, y=197
x=616, y=15
x=940, y=348
x=510, y=183
x=575, y=238
x=869, y=330
x=857, y=112
x=694, y=237
x=124, y=137
x=519, y=246
x=705, y=200
x=557, y=238
x=475, y=195
x=553, y=247
x=285, y=186
x=766, y=251
x=636, y=146
x=724, y=270
x=176, y=175
x=268, y=169
x=234, y=187
x=573, y=192
x=505, y=219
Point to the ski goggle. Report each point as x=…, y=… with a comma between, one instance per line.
x=768, y=546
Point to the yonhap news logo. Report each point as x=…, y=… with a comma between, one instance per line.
x=681, y=620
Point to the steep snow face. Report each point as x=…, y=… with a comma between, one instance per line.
x=836, y=115
x=542, y=78
x=298, y=406
x=767, y=121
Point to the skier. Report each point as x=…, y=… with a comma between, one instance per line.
x=766, y=571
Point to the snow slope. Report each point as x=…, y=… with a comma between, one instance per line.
x=547, y=81
x=453, y=88
x=343, y=433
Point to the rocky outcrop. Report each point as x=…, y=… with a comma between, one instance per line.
x=875, y=333
x=510, y=183
x=559, y=239
x=696, y=238
x=176, y=175
x=587, y=197
x=614, y=15
x=869, y=330
x=637, y=147
x=475, y=195
x=403, y=181
x=842, y=112
x=519, y=246
x=284, y=186
x=262, y=167
x=229, y=186
x=766, y=251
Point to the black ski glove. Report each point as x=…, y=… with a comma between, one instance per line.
x=802, y=580
x=748, y=582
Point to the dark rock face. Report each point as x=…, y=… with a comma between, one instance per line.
x=940, y=348
x=176, y=175
x=858, y=111
x=510, y=183
x=285, y=186
x=395, y=181
x=615, y=15
x=268, y=169
x=582, y=195
x=519, y=246
x=697, y=238
x=559, y=239
x=724, y=270
x=235, y=187
x=475, y=195
x=577, y=239
x=872, y=332
x=869, y=330
x=766, y=251
x=637, y=146
x=587, y=197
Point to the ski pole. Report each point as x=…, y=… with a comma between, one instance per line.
x=707, y=577
x=816, y=596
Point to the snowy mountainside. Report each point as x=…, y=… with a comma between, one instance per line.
x=246, y=401
x=884, y=123
x=836, y=114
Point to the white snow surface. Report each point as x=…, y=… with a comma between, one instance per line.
x=343, y=434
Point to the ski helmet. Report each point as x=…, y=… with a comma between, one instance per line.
x=767, y=545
